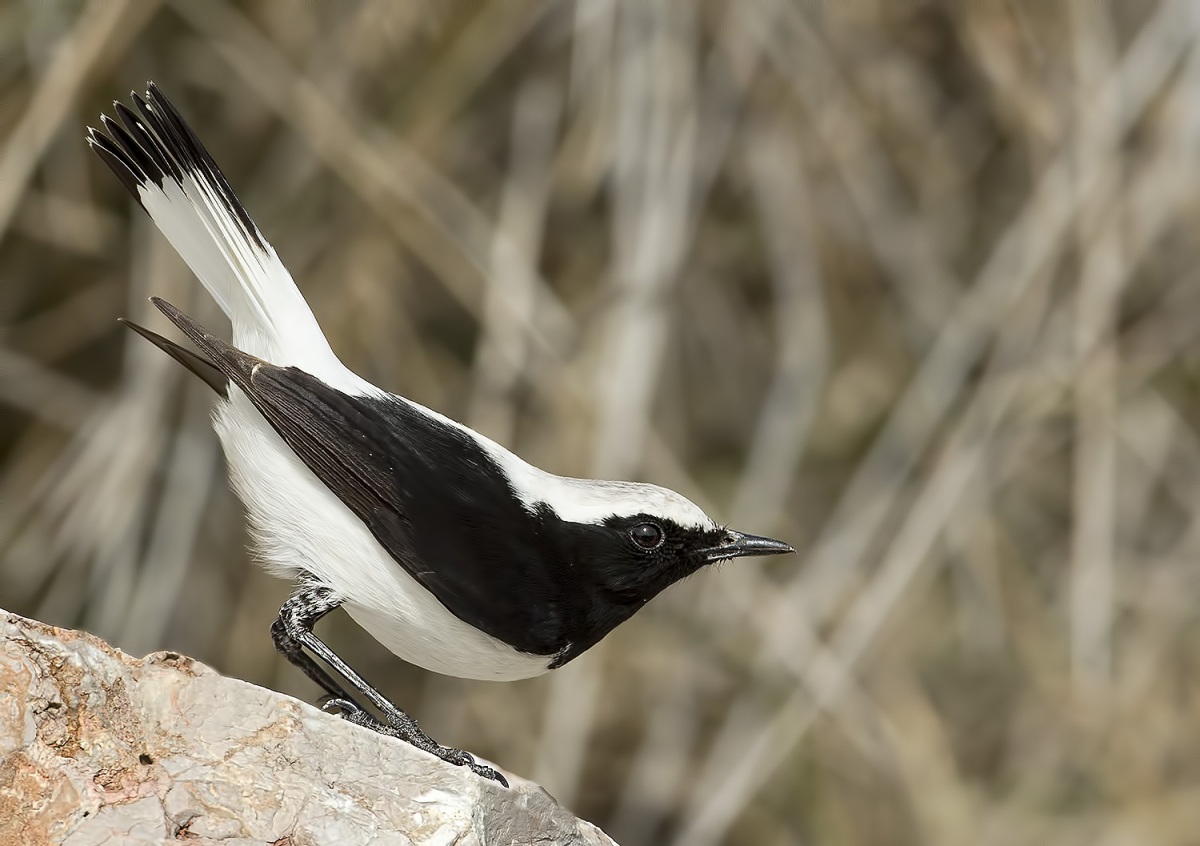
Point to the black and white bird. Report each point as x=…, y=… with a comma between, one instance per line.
x=450, y=550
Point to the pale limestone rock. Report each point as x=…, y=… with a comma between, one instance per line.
x=97, y=747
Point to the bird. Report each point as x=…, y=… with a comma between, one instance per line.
x=445, y=546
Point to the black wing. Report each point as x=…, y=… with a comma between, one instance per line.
x=431, y=496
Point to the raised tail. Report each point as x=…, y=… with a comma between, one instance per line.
x=158, y=157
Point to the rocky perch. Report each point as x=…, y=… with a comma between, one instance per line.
x=97, y=747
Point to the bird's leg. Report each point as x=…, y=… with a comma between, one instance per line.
x=300, y=613
x=292, y=632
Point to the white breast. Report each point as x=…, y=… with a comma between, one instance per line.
x=302, y=526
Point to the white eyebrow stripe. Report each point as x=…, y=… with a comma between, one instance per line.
x=594, y=501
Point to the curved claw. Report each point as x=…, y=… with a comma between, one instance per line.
x=459, y=758
x=487, y=772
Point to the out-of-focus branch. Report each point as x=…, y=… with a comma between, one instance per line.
x=103, y=31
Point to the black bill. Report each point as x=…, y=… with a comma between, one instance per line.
x=738, y=545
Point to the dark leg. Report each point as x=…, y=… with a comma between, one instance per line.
x=292, y=632
x=301, y=612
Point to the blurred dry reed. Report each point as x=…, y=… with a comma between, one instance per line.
x=910, y=285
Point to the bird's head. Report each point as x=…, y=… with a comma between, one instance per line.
x=638, y=539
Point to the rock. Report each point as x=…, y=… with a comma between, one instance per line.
x=97, y=747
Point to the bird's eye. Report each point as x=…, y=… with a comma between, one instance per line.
x=646, y=535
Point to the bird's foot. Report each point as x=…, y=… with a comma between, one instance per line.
x=400, y=725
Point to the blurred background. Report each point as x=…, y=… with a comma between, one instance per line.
x=910, y=285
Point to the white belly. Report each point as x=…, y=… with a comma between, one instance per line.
x=301, y=526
